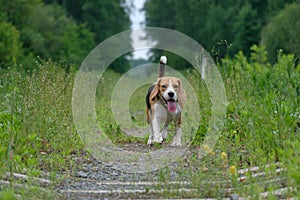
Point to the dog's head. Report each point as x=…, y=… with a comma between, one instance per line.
x=170, y=89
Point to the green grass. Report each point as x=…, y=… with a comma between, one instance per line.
x=262, y=124
x=37, y=130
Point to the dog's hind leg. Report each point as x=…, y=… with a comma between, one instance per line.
x=177, y=137
x=164, y=131
x=178, y=133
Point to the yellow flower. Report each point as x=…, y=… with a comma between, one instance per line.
x=234, y=132
x=208, y=150
x=232, y=169
x=224, y=155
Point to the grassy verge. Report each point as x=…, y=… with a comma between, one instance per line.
x=37, y=129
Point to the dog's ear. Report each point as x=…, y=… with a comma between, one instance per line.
x=155, y=90
x=181, y=93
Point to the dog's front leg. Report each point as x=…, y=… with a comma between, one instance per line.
x=151, y=136
x=156, y=130
x=159, y=117
x=155, y=134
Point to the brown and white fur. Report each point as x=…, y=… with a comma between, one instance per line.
x=164, y=102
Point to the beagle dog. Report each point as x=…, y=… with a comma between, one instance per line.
x=164, y=102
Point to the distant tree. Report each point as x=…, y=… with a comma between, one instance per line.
x=213, y=22
x=17, y=11
x=165, y=13
x=104, y=18
x=276, y=5
x=60, y=29
x=74, y=7
x=247, y=28
x=50, y=33
x=208, y=22
x=283, y=32
x=10, y=44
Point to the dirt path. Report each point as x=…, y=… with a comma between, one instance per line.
x=96, y=180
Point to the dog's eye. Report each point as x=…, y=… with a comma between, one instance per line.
x=175, y=86
x=164, y=86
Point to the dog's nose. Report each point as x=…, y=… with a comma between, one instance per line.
x=171, y=94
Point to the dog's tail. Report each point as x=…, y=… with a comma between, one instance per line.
x=162, y=66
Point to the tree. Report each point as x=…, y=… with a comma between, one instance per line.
x=104, y=17
x=50, y=33
x=60, y=29
x=282, y=32
x=247, y=28
x=17, y=11
x=10, y=44
x=215, y=23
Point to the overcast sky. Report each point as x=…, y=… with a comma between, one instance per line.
x=137, y=18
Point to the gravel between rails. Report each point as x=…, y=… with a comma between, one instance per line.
x=97, y=180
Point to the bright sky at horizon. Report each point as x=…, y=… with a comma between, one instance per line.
x=137, y=18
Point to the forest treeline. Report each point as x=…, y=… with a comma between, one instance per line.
x=228, y=26
x=60, y=30
x=66, y=30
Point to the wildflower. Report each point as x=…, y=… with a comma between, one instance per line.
x=234, y=132
x=232, y=169
x=204, y=169
x=207, y=149
x=224, y=155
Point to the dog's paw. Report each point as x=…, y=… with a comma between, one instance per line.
x=150, y=141
x=158, y=139
x=176, y=144
x=164, y=135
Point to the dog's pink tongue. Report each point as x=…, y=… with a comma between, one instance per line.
x=172, y=106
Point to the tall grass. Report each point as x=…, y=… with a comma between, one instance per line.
x=264, y=110
x=262, y=125
x=36, y=124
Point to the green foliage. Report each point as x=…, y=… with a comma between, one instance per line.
x=103, y=18
x=50, y=33
x=30, y=192
x=58, y=30
x=7, y=195
x=10, y=45
x=239, y=23
x=17, y=11
x=107, y=18
x=264, y=102
x=97, y=13
x=246, y=28
x=36, y=120
x=283, y=32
